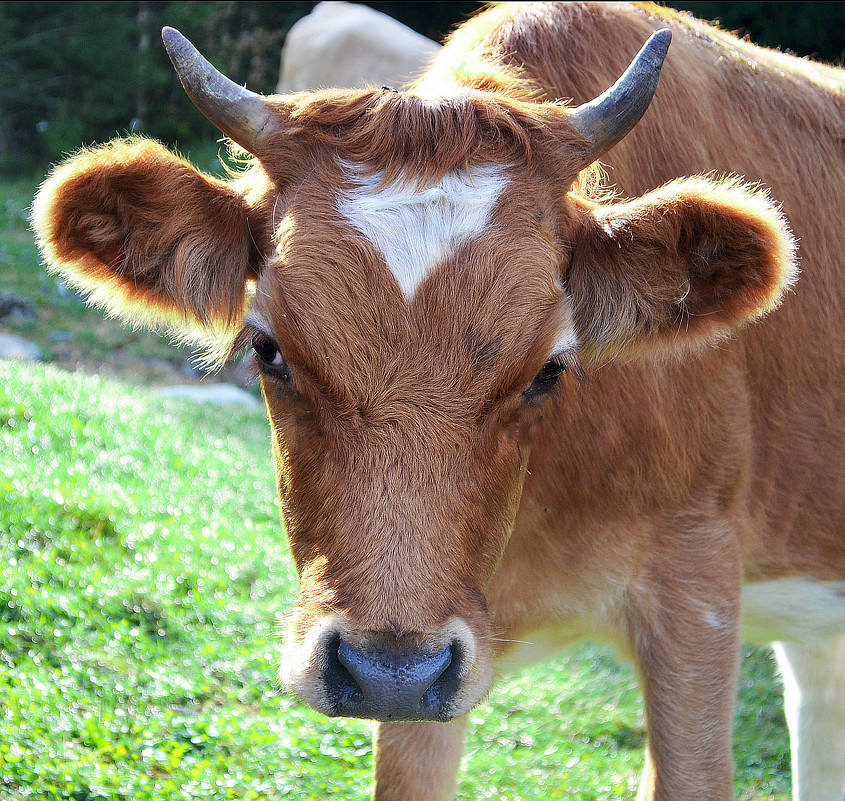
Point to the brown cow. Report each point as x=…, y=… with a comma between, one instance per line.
x=507, y=405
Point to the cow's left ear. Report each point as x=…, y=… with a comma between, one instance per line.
x=677, y=268
x=148, y=237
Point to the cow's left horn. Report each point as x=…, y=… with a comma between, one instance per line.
x=608, y=118
x=242, y=115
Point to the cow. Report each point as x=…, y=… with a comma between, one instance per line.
x=350, y=45
x=507, y=332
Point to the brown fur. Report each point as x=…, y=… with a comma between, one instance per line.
x=138, y=227
x=424, y=498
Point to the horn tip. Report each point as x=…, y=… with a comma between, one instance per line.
x=660, y=40
x=173, y=41
x=654, y=51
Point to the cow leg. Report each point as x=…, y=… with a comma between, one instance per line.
x=418, y=761
x=684, y=629
x=814, y=696
x=689, y=689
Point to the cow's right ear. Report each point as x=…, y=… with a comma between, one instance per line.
x=679, y=268
x=147, y=236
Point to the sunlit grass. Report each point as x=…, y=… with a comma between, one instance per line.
x=142, y=570
x=143, y=565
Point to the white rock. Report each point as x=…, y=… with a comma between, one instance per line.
x=217, y=394
x=15, y=347
x=351, y=45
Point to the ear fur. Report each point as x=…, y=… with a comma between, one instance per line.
x=147, y=236
x=678, y=268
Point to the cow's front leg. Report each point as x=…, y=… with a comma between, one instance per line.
x=418, y=761
x=685, y=632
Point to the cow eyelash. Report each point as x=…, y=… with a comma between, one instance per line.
x=546, y=379
x=268, y=357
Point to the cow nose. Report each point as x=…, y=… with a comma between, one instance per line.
x=385, y=685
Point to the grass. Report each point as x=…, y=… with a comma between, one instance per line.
x=143, y=570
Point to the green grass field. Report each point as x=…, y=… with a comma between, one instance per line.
x=144, y=570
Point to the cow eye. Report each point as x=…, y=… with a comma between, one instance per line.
x=545, y=379
x=270, y=357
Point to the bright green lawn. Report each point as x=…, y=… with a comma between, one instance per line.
x=143, y=569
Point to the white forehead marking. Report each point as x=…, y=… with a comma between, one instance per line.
x=416, y=229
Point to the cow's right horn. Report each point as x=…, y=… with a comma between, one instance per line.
x=609, y=117
x=242, y=115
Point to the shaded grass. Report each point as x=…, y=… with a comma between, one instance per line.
x=142, y=570
x=63, y=326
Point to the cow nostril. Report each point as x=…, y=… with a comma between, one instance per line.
x=446, y=684
x=345, y=691
x=385, y=685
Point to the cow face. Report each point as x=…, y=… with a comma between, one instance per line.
x=407, y=340
x=412, y=309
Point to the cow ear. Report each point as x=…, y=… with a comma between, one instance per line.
x=148, y=237
x=677, y=268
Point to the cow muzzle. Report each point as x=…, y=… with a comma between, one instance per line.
x=387, y=676
x=389, y=684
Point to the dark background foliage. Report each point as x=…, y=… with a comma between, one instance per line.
x=77, y=73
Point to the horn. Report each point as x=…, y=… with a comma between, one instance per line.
x=242, y=115
x=608, y=118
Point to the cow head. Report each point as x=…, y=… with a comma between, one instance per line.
x=414, y=274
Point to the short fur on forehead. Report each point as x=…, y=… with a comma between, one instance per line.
x=422, y=139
